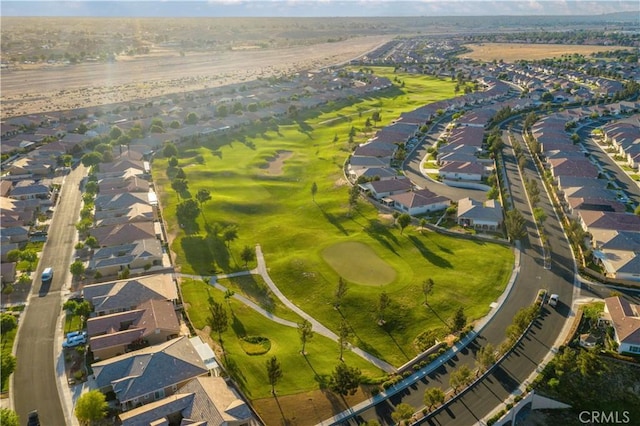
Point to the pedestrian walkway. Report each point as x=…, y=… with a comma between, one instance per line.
x=318, y=327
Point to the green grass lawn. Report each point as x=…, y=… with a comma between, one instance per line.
x=356, y=262
x=300, y=373
x=279, y=213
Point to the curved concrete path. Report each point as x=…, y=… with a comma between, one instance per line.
x=261, y=270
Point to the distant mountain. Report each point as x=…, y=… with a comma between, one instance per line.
x=611, y=10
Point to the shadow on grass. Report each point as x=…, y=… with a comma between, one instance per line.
x=256, y=291
x=236, y=372
x=200, y=260
x=380, y=232
x=332, y=219
x=428, y=254
x=437, y=315
x=388, y=331
x=218, y=251
x=237, y=326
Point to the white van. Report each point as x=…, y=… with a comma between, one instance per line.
x=553, y=300
x=47, y=275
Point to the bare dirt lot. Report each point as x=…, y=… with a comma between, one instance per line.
x=59, y=87
x=511, y=52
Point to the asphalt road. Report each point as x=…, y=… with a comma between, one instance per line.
x=480, y=400
x=34, y=380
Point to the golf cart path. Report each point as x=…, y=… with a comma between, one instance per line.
x=261, y=270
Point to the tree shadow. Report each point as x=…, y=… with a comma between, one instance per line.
x=379, y=232
x=235, y=371
x=395, y=342
x=200, y=260
x=260, y=293
x=332, y=219
x=285, y=420
x=218, y=250
x=237, y=326
x=437, y=315
x=428, y=254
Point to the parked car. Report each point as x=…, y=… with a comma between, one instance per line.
x=47, y=275
x=73, y=334
x=33, y=419
x=553, y=300
x=75, y=340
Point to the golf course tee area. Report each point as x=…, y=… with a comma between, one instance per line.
x=281, y=185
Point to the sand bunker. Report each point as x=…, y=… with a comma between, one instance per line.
x=275, y=164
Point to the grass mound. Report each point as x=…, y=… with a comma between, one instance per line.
x=358, y=263
x=255, y=345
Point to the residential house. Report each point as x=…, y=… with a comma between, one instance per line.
x=138, y=212
x=120, y=201
x=153, y=322
x=463, y=170
x=15, y=234
x=8, y=272
x=380, y=189
x=202, y=401
x=125, y=233
x=625, y=318
x=140, y=254
x=123, y=295
x=479, y=215
x=150, y=374
x=419, y=202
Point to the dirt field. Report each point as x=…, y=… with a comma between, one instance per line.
x=60, y=87
x=274, y=167
x=511, y=52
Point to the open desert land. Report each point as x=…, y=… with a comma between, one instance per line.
x=511, y=52
x=60, y=87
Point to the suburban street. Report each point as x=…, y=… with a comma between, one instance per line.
x=494, y=389
x=34, y=380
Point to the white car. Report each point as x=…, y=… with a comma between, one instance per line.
x=553, y=300
x=75, y=338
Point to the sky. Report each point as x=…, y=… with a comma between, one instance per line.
x=312, y=8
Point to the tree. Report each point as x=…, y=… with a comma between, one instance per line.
x=175, y=124
x=7, y=364
x=92, y=242
x=341, y=290
x=354, y=193
x=192, y=118
x=485, y=357
x=91, y=159
x=344, y=332
x=515, y=224
x=230, y=234
x=169, y=150
x=187, y=211
x=345, y=380
x=404, y=220
x=222, y=111
x=77, y=268
x=274, y=373
x=314, y=191
x=383, y=302
x=433, y=396
x=91, y=407
x=218, y=321
x=403, y=413
x=460, y=377
x=7, y=323
x=427, y=289
x=539, y=215
x=459, y=320
x=203, y=196
x=247, y=255
x=305, y=330
x=179, y=185
x=423, y=224
x=115, y=132
x=173, y=161
x=9, y=417
x=376, y=116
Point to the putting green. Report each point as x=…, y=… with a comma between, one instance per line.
x=359, y=264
